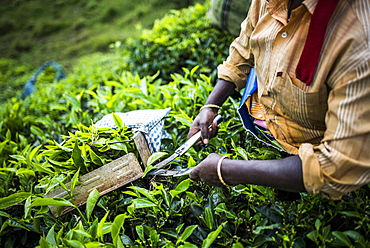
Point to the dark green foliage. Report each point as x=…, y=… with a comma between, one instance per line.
x=180, y=39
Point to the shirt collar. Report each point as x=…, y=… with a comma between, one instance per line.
x=279, y=8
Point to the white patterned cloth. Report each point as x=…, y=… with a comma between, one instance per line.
x=148, y=121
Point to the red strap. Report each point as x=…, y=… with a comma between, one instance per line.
x=315, y=39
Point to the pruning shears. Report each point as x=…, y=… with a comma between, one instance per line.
x=179, y=151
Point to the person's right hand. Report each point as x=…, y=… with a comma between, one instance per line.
x=203, y=120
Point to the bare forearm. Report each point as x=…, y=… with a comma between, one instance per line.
x=222, y=90
x=285, y=174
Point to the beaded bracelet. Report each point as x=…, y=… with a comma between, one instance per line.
x=219, y=171
x=209, y=106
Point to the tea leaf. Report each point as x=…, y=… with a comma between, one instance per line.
x=140, y=232
x=74, y=181
x=77, y=158
x=181, y=187
x=50, y=238
x=116, y=228
x=117, y=120
x=186, y=234
x=342, y=237
x=212, y=236
x=43, y=168
x=141, y=203
x=208, y=218
x=155, y=156
x=95, y=158
x=154, y=237
x=100, y=229
x=25, y=171
x=75, y=243
x=144, y=192
x=13, y=199
x=37, y=131
x=91, y=202
x=51, y=201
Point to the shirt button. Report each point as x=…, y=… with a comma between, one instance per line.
x=284, y=34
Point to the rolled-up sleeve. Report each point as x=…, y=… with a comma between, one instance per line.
x=237, y=65
x=341, y=163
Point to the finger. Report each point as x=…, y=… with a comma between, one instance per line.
x=194, y=176
x=205, y=133
x=198, y=143
x=193, y=130
x=214, y=129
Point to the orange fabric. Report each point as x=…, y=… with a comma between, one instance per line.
x=327, y=122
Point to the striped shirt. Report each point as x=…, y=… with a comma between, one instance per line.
x=327, y=123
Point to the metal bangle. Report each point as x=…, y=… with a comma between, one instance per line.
x=209, y=106
x=219, y=171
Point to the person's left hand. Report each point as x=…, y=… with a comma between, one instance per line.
x=206, y=171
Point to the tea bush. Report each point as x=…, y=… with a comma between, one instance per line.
x=182, y=38
x=50, y=138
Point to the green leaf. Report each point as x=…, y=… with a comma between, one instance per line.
x=75, y=244
x=208, y=217
x=141, y=203
x=237, y=245
x=43, y=243
x=12, y=223
x=212, y=236
x=51, y=201
x=259, y=229
x=73, y=100
x=37, y=131
x=261, y=239
x=351, y=214
x=151, y=160
x=188, y=245
x=147, y=193
x=18, y=157
x=313, y=235
x=154, y=237
x=143, y=86
x=242, y=152
x=356, y=236
x=43, y=168
x=25, y=172
x=74, y=181
x=91, y=202
x=50, y=238
x=13, y=199
x=179, y=227
x=2, y=145
x=181, y=187
x=140, y=232
x=116, y=228
x=342, y=237
x=77, y=158
x=94, y=245
x=117, y=120
x=186, y=234
x=155, y=156
x=222, y=208
x=82, y=233
x=100, y=230
x=95, y=158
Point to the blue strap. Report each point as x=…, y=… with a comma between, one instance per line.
x=250, y=88
x=29, y=87
x=247, y=119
